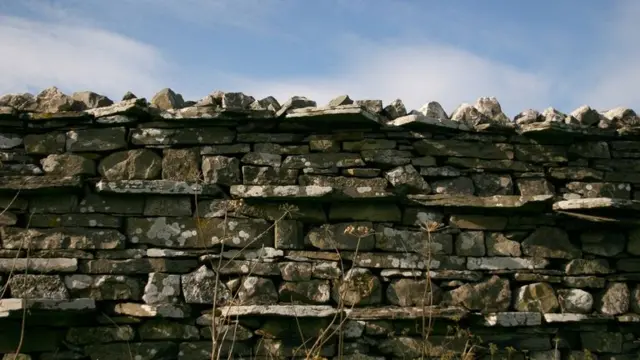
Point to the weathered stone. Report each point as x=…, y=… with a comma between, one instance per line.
x=433, y=109
x=421, y=242
x=67, y=238
x=549, y=242
x=492, y=165
x=306, y=292
x=270, y=137
x=395, y=109
x=493, y=184
x=406, y=179
x=587, y=267
x=505, y=263
x=262, y=159
x=162, y=288
x=104, y=287
x=464, y=149
x=137, y=266
x=280, y=191
x=633, y=245
x=167, y=99
x=257, y=291
x=68, y=165
x=500, y=244
x=161, y=329
x=137, y=351
x=91, y=100
x=409, y=292
x=343, y=236
x=575, y=301
x=323, y=161
x=597, y=190
x=386, y=157
x=161, y=137
x=288, y=235
x=140, y=164
x=478, y=222
x=470, y=243
x=269, y=103
x=462, y=186
x=44, y=144
x=98, y=140
x=50, y=265
x=54, y=204
x=343, y=182
x=265, y=175
x=167, y=206
x=540, y=153
x=37, y=287
x=203, y=287
x=602, y=342
x=358, y=287
x=280, y=149
x=493, y=295
x=221, y=170
x=324, y=145
x=188, y=233
x=180, y=164
x=295, y=271
x=615, y=299
x=438, y=172
x=537, y=297
x=365, y=212
x=98, y=335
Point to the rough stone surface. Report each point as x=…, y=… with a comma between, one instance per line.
x=128, y=229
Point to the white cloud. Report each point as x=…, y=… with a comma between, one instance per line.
x=415, y=74
x=39, y=54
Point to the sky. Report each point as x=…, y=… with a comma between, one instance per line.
x=528, y=54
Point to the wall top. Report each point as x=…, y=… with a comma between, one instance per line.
x=484, y=116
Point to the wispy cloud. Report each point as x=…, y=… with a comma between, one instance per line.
x=39, y=54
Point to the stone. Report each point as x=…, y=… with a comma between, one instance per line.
x=464, y=149
x=262, y=159
x=186, y=233
x=280, y=149
x=343, y=236
x=505, y=263
x=167, y=99
x=203, y=287
x=37, y=287
x=621, y=117
x=499, y=244
x=257, y=291
x=269, y=103
x=587, y=267
x=161, y=137
x=98, y=140
x=410, y=292
x=63, y=238
x=236, y=101
x=68, y=165
x=536, y=297
x=158, y=205
x=162, y=289
x=50, y=265
x=421, y=242
x=598, y=190
x=538, y=153
x=180, y=164
x=462, y=186
x=221, y=170
x=490, y=107
x=590, y=150
x=137, y=351
x=602, y=342
x=575, y=301
x=52, y=100
x=406, y=179
x=615, y=299
x=45, y=144
x=306, y=292
x=288, y=235
x=358, y=287
x=493, y=184
x=295, y=271
x=478, y=222
x=104, y=287
x=162, y=329
x=280, y=191
x=434, y=110
x=364, y=212
x=470, y=243
x=549, y=242
x=323, y=161
x=633, y=245
x=603, y=243
x=386, y=157
x=91, y=100
x=139, y=164
x=369, y=144
x=266, y=175
x=98, y=335
x=493, y=295
x=340, y=100
x=137, y=266
x=395, y=109
x=324, y=145
x=374, y=106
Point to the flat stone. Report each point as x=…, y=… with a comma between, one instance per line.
x=492, y=165
x=496, y=201
x=306, y=292
x=386, y=157
x=12, y=306
x=162, y=289
x=39, y=184
x=89, y=140
x=137, y=266
x=464, y=149
x=410, y=292
x=171, y=311
x=505, y=263
x=266, y=175
x=323, y=161
x=343, y=236
x=511, y=319
x=97, y=335
x=280, y=149
x=37, y=287
x=183, y=136
x=588, y=267
x=201, y=286
x=550, y=242
x=280, y=191
x=289, y=310
x=500, y=244
x=45, y=144
x=104, y=287
x=156, y=205
x=406, y=179
x=225, y=149
x=48, y=265
x=538, y=153
x=365, y=212
x=493, y=295
x=479, y=222
x=395, y=240
x=133, y=106
x=67, y=238
x=343, y=182
x=159, y=187
x=596, y=204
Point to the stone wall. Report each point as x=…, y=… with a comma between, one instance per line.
x=136, y=230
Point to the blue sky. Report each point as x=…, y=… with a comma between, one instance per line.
x=529, y=54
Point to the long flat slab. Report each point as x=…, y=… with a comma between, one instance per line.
x=161, y=187
x=14, y=306
x=528, y=203
x=349, y=114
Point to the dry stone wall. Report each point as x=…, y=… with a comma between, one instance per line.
x=241, y=228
